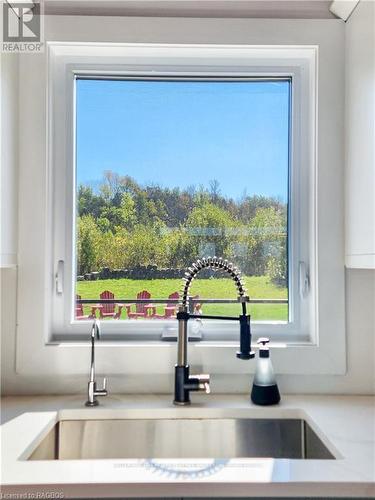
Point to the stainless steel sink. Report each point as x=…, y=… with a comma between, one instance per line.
x=181, y=438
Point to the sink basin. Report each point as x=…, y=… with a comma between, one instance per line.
x=181, y=438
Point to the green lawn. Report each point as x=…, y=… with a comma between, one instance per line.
x=258, y=287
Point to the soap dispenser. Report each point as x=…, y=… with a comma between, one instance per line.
x=265, y=390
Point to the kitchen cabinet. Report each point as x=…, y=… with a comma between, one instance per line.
x=360, y=137
x=9, y=159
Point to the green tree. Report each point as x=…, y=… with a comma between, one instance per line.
x=113, y=215
x=126, y=224
x=265, y=237
x=128, y=212
x=88, y=244
x=110, y=186
x=212, y=226
x=277, y=266
x=88, y=203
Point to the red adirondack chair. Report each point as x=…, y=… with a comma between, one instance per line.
x=79, y=310
x=142, y=309
x=169, y=309
x=107, y=310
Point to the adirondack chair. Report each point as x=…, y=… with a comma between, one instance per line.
x=142, y=309
x=107, y=310
x=79, y=310
x=197, y=308
x=169, y=309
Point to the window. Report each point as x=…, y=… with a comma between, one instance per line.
x=315, y=332
x=164, y=163
x=168, y=171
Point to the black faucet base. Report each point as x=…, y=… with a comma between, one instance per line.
x=241, y=355
x=182, y=403
x=184, y=383
x=181, y=394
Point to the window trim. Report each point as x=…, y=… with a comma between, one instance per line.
x=201, y=62
x=327, y=355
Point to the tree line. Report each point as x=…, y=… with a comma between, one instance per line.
x=123, y=224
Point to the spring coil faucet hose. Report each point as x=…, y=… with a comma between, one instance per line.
x=184, y=382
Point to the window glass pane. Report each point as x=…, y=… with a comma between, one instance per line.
x=170, y=171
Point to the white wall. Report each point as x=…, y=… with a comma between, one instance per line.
x=360, y=285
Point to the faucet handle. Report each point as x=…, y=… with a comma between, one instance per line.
x=103, y=391
x=203, y=382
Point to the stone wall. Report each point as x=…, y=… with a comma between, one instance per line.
x=144, y=273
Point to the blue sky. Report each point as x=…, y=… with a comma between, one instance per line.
x=184, y=133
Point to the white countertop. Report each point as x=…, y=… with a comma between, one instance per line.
x=346, y=424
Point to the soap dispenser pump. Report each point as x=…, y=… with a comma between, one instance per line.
x=265, y=390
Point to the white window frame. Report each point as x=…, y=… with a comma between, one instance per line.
x=325, y=351
x=69, y=62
